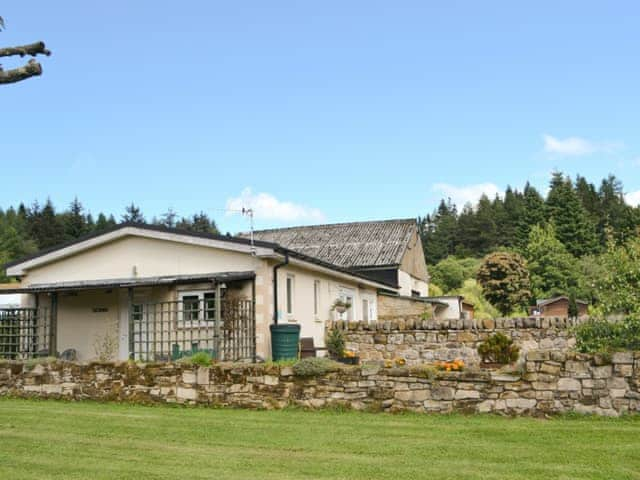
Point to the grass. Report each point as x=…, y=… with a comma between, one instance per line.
x=52, y=440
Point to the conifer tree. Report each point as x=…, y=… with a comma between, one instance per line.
x=569, y=217
x=533, y=213
x=439, y=232
x=75, y=222
x=133, y=214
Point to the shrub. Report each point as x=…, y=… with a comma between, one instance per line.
x=601, y=336
x=335, y=342
x=202, y=359
x=498, y=348
x=314, y=366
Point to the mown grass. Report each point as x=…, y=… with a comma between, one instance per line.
x=53, y=440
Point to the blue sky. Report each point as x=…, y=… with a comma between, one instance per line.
x=316, y=111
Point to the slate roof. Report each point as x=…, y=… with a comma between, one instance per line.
x=348, y=245
x=225, y=238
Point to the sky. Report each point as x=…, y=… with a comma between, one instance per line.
x=313, y=112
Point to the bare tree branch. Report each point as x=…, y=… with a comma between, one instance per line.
x=33, y=49
x=31, y=69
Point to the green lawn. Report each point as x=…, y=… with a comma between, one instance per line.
x=49, y=439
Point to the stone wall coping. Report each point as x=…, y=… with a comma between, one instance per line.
x=409, y=323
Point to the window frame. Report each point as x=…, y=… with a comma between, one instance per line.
x=345, y=294
x=289, y=295
x=316, y=298
x=366, y=309
x=202, y=319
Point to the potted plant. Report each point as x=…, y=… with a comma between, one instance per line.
x=349, y=357
x=341, y=306
x=335, y=343
x=498, y=350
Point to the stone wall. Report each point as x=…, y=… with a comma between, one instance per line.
x=393, y=306
x=419, y=341
x=549, y=382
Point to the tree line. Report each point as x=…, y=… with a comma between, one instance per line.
x=26, y=230
x=582, y=214
x=506, y=252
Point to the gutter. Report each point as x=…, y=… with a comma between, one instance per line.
x=276, y=267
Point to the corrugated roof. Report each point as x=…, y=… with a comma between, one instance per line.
x=348, y=245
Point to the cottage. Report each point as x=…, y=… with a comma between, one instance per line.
x=152, y=293
x=388, y=251
x=558, y=307
x=447, y=307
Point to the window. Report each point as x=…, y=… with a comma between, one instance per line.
x=197, y=307
x=136, y=312
x=210, y=306
x=316, y=297
x=290, y=280
x=348, y=295
x=349, y=312
x=190, y=307
x=365, y=309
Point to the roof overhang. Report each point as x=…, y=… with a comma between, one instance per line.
x=260, y=249
x=19, y=268
x=220, y=277
x=329, y=269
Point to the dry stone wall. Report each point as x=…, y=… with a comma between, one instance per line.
x=550, y=381
x=418, y=341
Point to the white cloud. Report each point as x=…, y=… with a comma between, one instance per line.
x=467, y=193
x=633, y=198
x=576, y=146
x=267, y=207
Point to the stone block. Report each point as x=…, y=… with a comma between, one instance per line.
x=52, y=389
x=550, y=368
x=603, y=371
x=569, y=384
x=202, y=376
x=502, y=377
x=544, y=385
x=521, y=403
x=623, y=370
x=442, y=393
x=486, y=406
x=187, y=393
x=467, y=394
x=622, y=357
x=538, y=355
x=188, y=377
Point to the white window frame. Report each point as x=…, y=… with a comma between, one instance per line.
x=316, y=298
x=366, y=309
x=200, y=322
x=345, y=294
x=290, y=295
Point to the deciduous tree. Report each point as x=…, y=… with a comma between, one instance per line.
x=31, y=69
x=504, y=279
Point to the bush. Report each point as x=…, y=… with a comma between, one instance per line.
x=202, y=359
x=314, y=366
x=601, y=336
x=498, y=348
x=335, y=342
